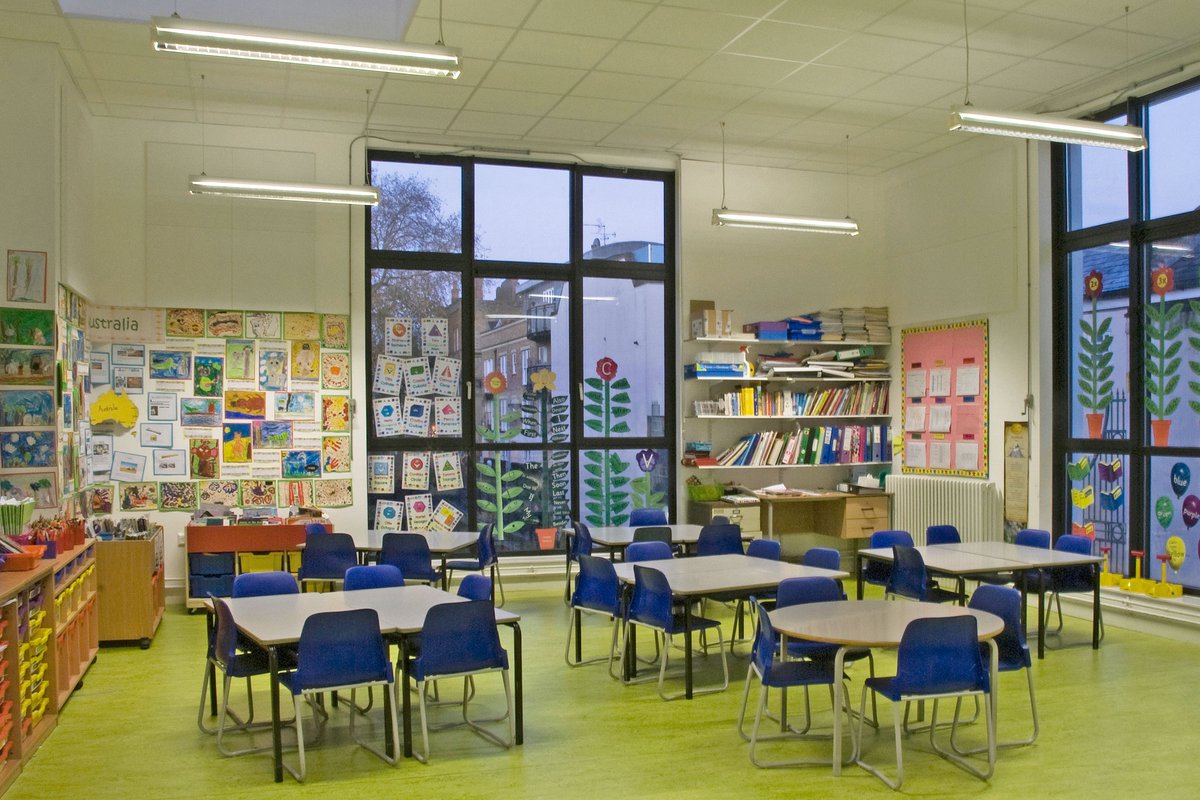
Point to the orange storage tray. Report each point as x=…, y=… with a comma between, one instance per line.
x=23, y=562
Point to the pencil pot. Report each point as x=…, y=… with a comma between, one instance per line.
x=51, y=550
x=545, y=538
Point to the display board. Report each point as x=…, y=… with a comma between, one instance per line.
x=945, y=384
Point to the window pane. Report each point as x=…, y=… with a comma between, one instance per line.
x=420, y=207
x=623, y=219
x=1174, y=510
x=520, y=398
x=623, y=361
x=520, y=491
x=1098, y=184
x=1172, y=362
x=615, y=481
x=522, y=214
x=1099, y=337
x=428, y=491
x=1174, y=168
x=1098, y=509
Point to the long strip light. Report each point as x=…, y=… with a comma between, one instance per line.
x=222, y=40
x=783, y=222
x=1054, y=129
x=275, y=190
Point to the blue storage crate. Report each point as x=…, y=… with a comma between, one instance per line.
x=210, y=563
x=204, y=585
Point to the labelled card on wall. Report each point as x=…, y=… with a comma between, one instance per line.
x=398, y=336
x=389, y=421
x=273, y=366
x=306, y=360
x=389, y=515
x=381, y=474
x=98, y=368
x=435, y=336
x=335, y=413
x=128, y=466
x=416, y=376
x=416, y=416
x=416, y=471
x=447, y=374
x=447, y=416
x=170, y=462
x=447, y=471
x=388, y=377
x=419, y=509
x=446, y=516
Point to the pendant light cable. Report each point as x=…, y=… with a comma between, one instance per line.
x=722, y=163
x=967, y=44
x=847, y=176
x=203, y=138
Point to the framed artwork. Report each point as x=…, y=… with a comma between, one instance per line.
x=335, y=413
x=170, y=462
x=245, y=405
x=225, y=324
x=235, y=443
x=240, y=363
x=273, y=368
x=210, y=372
x=177, y=496
x=27, y=408
x=263, y=324
x=27, y=326
x=128, y=466
x=301, y=325
x=139, y=496
x=168, y=365
x=336, y=493
x=335, y=370
x=185, y=322
x=203, y=412
x=226, y=493
x=271, y=435
x=156, y=434
x=335, y=454
x=259, y=493
x=295, y=405
x=26, y=276
x=306, y=360
x=335, y=331
x=27, y=449
x=41, y=486
x=25, y=366
x=300, y=464
x=202, y=454
x=100, y=498
x=162, y=406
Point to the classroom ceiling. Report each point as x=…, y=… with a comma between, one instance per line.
x=790, y=78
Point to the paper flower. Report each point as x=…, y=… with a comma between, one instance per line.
x=1162, y=280
x=495, y=383
x=606, y=368
x=542, y=380
x=1093, y=285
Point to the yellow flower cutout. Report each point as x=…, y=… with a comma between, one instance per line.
x=543, y=380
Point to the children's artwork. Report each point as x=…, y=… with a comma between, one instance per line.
x=29, y=366
x=305, y=364
x=447, y=373
x=335, y=331
x=200, y=412
x=170, y=462
x=245, y=405
x=41, y=486
x=273, y=368
x=447, y=416
x=101, y=498
x=271, y=435
x=101, y=446
x=177, y=496
x=27, y=408
x=129, y=380
x=300, y=463
x=415, y=474
x=128, y=466
x=98, y=369
x=259, y=493
x=240, y=363
x=225, y=324
x=381, y=474
x=202, y=455
x=162, y=406
x=166, y=365
x=301, y=325
x=389, y=515
x=27, y=326
x=26, y=277
x=335, y=454
x=223, y=492
x=263, y=324
x=398, y=336
x=389, y=419
x=26, y=449
x=131, y=355
x=335, y=370
x=419, y=509
x=335, y=493
x=68, y=406
x=446, y=516
x=388, y=377
x=235, y=443
x=156, y=434
x=447, y=471
x=187, y=322
x=435, y=339
x=416, y=376
x=295, y=493
x=416, y=416
x=335, y=413
x=296, y=405
x=139, y=496
x=209, y=372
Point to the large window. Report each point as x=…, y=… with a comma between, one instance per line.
x=521, y=345
x=1127, y=300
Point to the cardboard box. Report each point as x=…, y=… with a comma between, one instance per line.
x=703, y=317
x=726, y=322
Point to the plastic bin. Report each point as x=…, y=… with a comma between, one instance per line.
x=24, y=561
x=203, y=585
x=210, y=563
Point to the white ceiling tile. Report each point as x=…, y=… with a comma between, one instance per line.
x=326, y=108
x=394, y=115
x=491, y=12
x=705, y=94
x=479, y=41
x=743, y=70
x=621, y=86
x=821, y=79
x=794, y=105
x=474, y=70
x=243, y=119
x=145, y=69
x=927, y=120
x=488, y=122
x=747, y=8
x=337, y=85
x=992, y=97
x=820, y=133
x=878, y=53
x=224, y=101
x=32, y=6
x=1095, y=12
x=595, y=109
x=950, y=63
x=1023, y=34
x=111, y=37
x=35, y=27
x=786, y=41
x=907, y=89
x=244, y=75
x=1108, y=48
x=557, y=49
x=678, y=26
x=1171, y=18
x=299, y=123
x=642, y=136
x=527, y=77
x=510, y=102
x=437, y=94
x=889, y=137
x=836, y=13
x=860, y=112
x=573, y=130
x=146, y=94
x=890, y=162
x=750, y=127
x=1037, y=75
x=652, y=59
x=143, y=112
x=611, y=18
x=937, y=21
x=674, y=117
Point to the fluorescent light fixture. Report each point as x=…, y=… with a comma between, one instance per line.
x=783, y=222
x=597, y=298
x=1054, y=129
x=174, y=35
x=518, y=316
x=1168, y=248
x=275, y=190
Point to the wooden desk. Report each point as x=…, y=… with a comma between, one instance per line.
x=837, y=514
x=277, y=620
x=869, y=623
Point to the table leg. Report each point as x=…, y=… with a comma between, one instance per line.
x=276, y=733
x=445, y=575
x=520, y=686
x=406, y=699
x=210, y=624
x=578, y=634
x=1025, y=602
x=687, y=652
x=1041, y=620
x=839, y=710
x=1096, y=607
x=858, y=573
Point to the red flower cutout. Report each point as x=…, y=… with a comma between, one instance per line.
x=494, y=383
x=1093, y=285
x=1162, y=280
x=606, y=368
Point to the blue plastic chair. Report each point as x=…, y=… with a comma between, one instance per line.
x=825, y=558
x=942, y=534
x=647, y=516
x=653, y=533
x=461, y=640
x=648, y=551
x=597, y=591
x=262, y=584
x=314, y=528
x=652, y=606
x=774, y=673
x=1031, y=537
x=879, y=572
x=327, y=556
x=768, y=549
x=581, y=545
x=720, y=540
x=342, y=650
x=372, y=576
x=938, y=658
x=410, y=552
x=1058, y=580
x=910, y=579
x=485, y=560
x=475, y=587
x=224, y=654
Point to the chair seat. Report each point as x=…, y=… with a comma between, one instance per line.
x=464, y=565
x=292, y=681
x=698, y=623
x=820, y=651
x=936, y=594
x=433, y=575
x=246, y=665
x=799, y=673
x=892, y=690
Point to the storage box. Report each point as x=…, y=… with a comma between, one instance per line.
x=210, y=563
x=702, y=315
x=768, y=331
x=203, y=585
x=25, y=561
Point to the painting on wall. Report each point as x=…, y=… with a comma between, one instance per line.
x=202, y=454
x=139, y=496
x=335, y=331
x=209, y=380
x=41, y=486
x=335, y=413
x=272, y=368
x=26, y=449
x=26, y=276
x=200, y=412
x=306, y=357
x=185, y=322
x=30, y=326
x=240, y=364
x=263, y=324
x=259, y=493
x=224, y=324
x=335, y=493
x=26, y=366
x=296, y=405
x=101, y=498
x=176, y=496
x=245, y=405
x=335, y=370
x=271, y=435
x=170, y=365
x=224, y=492
x=301, y=325
x=27, y=408
x=235, y=443
x=335, y=454
x=301, y=463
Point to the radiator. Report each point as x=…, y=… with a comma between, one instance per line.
x=972, y=506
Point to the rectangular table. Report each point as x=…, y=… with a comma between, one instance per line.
x=618, y=537
x=278, y=619
x=967, y=558
x=441, y=543
x=693, y=578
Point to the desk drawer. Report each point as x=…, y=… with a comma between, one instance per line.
x=867, y=508
x=745, y=515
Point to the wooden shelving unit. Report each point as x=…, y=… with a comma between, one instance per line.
x=131, y=588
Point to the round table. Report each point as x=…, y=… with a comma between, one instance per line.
x=868, y=623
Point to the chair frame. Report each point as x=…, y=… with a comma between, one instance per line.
x=575, y=626
x=493, y=564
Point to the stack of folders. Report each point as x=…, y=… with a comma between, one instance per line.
x=827, y=444
x=877, y=325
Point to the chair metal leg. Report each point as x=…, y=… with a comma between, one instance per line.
x=390, y=697
x=298, y=774
x=963, y=763
x=574, y=628
x=896, y=728
x=1014, y=743
x=662, y=670
x=497, y=584
x=1057, y=632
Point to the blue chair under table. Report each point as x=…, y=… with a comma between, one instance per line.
x=1060, y=580
x=879, y=572
x=581, y=545
x=647, y=516
x=910, y=579
x=372, y=576
x=475, y=587
x=410, y=553
x=597, y=591
x=264, y=584
x=327, y=556
x=948, y=534
x=486, y=560
x=719, y=540
x=769, y=549
x=648, y=551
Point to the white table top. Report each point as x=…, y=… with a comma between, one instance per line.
x=278, y=619
x=622, y=536
x=1022, y=554
x=973, y=557
x=711, y=574
x=869, y=623
x=440, y=542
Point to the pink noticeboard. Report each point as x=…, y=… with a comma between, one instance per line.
x=944, y=381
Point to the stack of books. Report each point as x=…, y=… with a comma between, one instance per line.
x=877, y=324
x=827, y=444
x=698, y=454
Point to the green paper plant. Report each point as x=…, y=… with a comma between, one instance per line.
x=1095, y=351
x=504, y=487
x=1163, y=325
x=1194, y=341
x=546, y=418
x=606, y=401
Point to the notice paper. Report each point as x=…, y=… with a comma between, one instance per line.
x=914, y=418
x=914, y=454
x=939, y=455
x=966, y=381
x=966, y=455
x=939, y=382
x=914, y=383
x=939, y=418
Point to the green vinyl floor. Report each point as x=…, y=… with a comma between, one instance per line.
x=1118, y=722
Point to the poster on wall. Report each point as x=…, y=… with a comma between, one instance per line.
x=26, y=276
x=273, y=366
x=263, y=324
x=381, y=474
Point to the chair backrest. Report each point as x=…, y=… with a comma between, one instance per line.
x=647, y=516
x=314, y=527
x=341, y=648
x=879, y=572
x=651, y=602
x=1005, y=603
x=581, y=543
x=653, y=533
x=475, y=586
x=327, y=556
x=939, y=655
x=460, y=637
x=1033, y=537
x=373, y=576
x=766, y=642
x=262, y=584
x=942, y=534
x=1072, y=579
x=720, y=540
x=909, y=578
x=769, y=549
x=648, y=551
x=487, y=547
x=224, y=646
x=798, y=591
x=719, y=519
x=597, y=586
x=822, y=557
x=410, y=553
